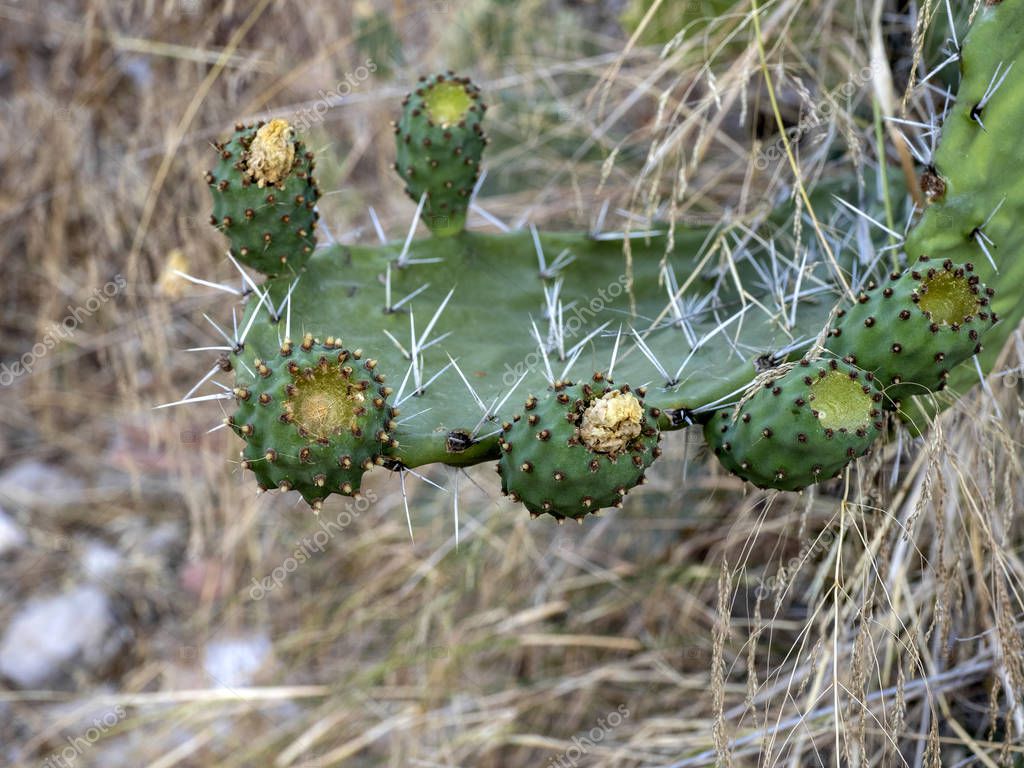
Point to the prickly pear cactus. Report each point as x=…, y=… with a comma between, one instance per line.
x=440, y=141
x=264, y=197
x=799, y=425
x=690, y=328
x=974, y=181
x=915, y=327
x=578, y=449
x=314, y=417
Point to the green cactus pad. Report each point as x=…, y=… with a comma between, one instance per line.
x=314, y=418
x=912, y=330
x=974, y=183
x=486, y=327
x=264, y=197
x=440, y=141
x=579, y=449
x=800, y=424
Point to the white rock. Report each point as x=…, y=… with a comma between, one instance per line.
x=11, y=535
x=48, y=634
x=32, y=482
x=100, y=561
x=234, y=662
x=161, y=540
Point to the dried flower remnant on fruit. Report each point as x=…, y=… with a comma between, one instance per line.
x=611, y=422
x=272, y=153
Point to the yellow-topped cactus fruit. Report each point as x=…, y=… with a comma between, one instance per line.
x=264, y=197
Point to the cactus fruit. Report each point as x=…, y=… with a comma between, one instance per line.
x=914, y=328
x=798, y=425
x=264, y=197
x=580, y=448
x=440, y=142
x=314, y=418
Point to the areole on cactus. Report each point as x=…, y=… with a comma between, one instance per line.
x=467, y=324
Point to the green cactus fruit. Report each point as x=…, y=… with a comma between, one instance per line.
x=264, y=197
x=579, y=449
x=801, y=424
x=314, y=418
x=440, y=141
x=914, y=329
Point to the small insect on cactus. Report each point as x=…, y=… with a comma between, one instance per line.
x=464, y=323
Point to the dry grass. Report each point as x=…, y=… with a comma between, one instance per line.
x=875, y=621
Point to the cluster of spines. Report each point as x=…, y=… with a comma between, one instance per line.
x=268, y=213
x=547, y=464
x=347, y=431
